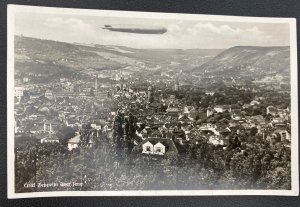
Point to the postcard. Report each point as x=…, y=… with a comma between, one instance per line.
x=120, y=103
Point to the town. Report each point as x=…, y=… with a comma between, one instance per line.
x=158, y=115
x=163, y=109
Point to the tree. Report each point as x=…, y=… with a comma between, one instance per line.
x=253, y=131
x=65, y=133
x=118, y=130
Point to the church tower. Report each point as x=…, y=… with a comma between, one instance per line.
x=150, y=94
x=122, y=82
x=96, y=86
x=176, y=87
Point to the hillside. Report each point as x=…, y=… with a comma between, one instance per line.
x=250, y=58
x=59, y=54
x=37, y=55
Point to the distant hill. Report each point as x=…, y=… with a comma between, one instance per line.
x=245, y=58
x=47, y=52
x=37, y=55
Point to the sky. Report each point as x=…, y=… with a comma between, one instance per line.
x=181, y=34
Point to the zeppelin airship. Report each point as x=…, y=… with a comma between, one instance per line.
x=135, y=29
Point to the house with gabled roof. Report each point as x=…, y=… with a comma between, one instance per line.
x=157, y=146
x=148, y=147
x=73, y=143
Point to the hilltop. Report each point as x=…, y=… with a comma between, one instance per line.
x=255, y=59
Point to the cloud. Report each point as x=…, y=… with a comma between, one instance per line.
x=69, y=25
x=224, y=30
x=210, y=35
x=71, y=29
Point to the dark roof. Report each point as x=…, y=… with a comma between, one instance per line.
x=138, y=139
x=179, y=147
x=153, y=142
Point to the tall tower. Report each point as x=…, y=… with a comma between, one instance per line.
x=122, y=81
x=150, y=94
x=96, y=86
x=176, y=87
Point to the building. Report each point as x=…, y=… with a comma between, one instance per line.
x=283, y=112
x=210, y=93
x=271, y=110
x=176, y=86
x=96, y=124
x=96, y=85
x=209, y=112
x=50, y=127
x=50, y=138
x=73, y=143
x=281, y=135
x=82, y=96
x=172, y=110
x=209, y=128
x=19, y=92
x=152, y=147
x=65, y=94
x=218, y=140
x=254, y=102
x=25, y=80
x=148, y=147
x=49, y=94
x=222, y=108
x=69, y=88
x=157, y=146
x=150, y=94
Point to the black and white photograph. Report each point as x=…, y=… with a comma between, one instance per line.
x=121, y=103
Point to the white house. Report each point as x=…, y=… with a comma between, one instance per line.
x=154, y=148
x=254, y=102
x=216, y=140
x=74, y=142
x=147, y=148
x=211, y=93
x=209, y=111
x=51, y=138
x=25, y=79
x=49, y=94
x=222, y=108
x=159, y=149
x=210, y=127
x=19, y=92
x=96, y=125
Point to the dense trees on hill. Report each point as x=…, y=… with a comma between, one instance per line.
x=242, y=165
x=200, y=99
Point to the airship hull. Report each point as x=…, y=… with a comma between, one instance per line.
x=138, y=30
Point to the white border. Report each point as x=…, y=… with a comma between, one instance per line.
x=12, y=9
